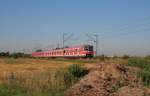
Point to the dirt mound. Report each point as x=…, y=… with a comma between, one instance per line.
x=108, y=80
x=132, y=91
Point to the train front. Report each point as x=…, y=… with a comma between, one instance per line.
x=89, y=51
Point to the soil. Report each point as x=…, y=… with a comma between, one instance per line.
x=108, y=79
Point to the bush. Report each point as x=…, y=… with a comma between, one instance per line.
x=77, y=71
x=69, y=79
x=102, y=57
x=138, y=62
x=45, y=83
x=10, y=91
x=115, y=57
x=125, y=57
x=142, y=63
x=145, y=76
x=4, y=54
x=147, y=57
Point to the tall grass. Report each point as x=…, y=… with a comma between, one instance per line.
x=14, y=61
x=144, y=65
x=46, y=83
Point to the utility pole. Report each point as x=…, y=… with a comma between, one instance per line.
x=65, y=38
x=95, y=40
x=96, y=43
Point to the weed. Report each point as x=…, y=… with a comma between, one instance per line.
x=13, y=61
x=45, y=83
x=144, y=65
x=139, y=62
x=77, y=71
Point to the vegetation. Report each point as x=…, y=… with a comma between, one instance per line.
x=11, y=91
x=46, y=83
x=125, y=56
x=14, y=55
x=138, y=62
x=14, y=61
x=147, y=57
x=144, y=65
x=4, y=54
x=76, y=71
x=102, y=57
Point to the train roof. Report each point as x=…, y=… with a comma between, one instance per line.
x=77, y=46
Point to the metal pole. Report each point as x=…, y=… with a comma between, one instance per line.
x=96, y=41
x=63, y=39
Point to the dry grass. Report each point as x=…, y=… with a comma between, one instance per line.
x=36, y=66
x=28, y=66
x=37, y=76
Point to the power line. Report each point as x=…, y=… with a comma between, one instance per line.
x=94, y=38
x=66, y=37
x=127, y=31
x=145, y=21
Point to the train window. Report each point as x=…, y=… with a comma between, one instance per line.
x=76, y=50
x=86, y=48
x=90, y=48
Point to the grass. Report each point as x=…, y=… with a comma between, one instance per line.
x=14, y=61
x=45, y=83
x=144, y=65
x=77, y=61
x=10, y=91
x=41, y=77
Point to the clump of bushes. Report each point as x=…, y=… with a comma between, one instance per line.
x=77, y=71
x=14, y=55
x=144, y=65
x=10, y=91
x=73, y=73
x=125, y=57
x=147, y=57
x=145, y=77
x=102, y=57
x=138, y=62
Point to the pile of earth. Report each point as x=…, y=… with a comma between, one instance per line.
x=108, y=79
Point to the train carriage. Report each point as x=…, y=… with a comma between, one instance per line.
x=76, y=51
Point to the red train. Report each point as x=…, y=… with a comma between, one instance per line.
x=77, y=51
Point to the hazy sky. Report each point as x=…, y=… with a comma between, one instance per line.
x=123, y=26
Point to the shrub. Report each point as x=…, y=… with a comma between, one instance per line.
x=138, y=62
x=10, y=91
x=69, y=79
x=125, y=57
x=77, y=71
x=45, y=83
x=142, y=63
x=115, y=57
x=102, y=57
x=147, y=57
x=145, y=76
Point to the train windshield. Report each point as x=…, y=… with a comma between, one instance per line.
x=89, y=48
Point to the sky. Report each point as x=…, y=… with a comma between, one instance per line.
x=123, y=26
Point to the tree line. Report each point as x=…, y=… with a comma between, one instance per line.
x=14, y=55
